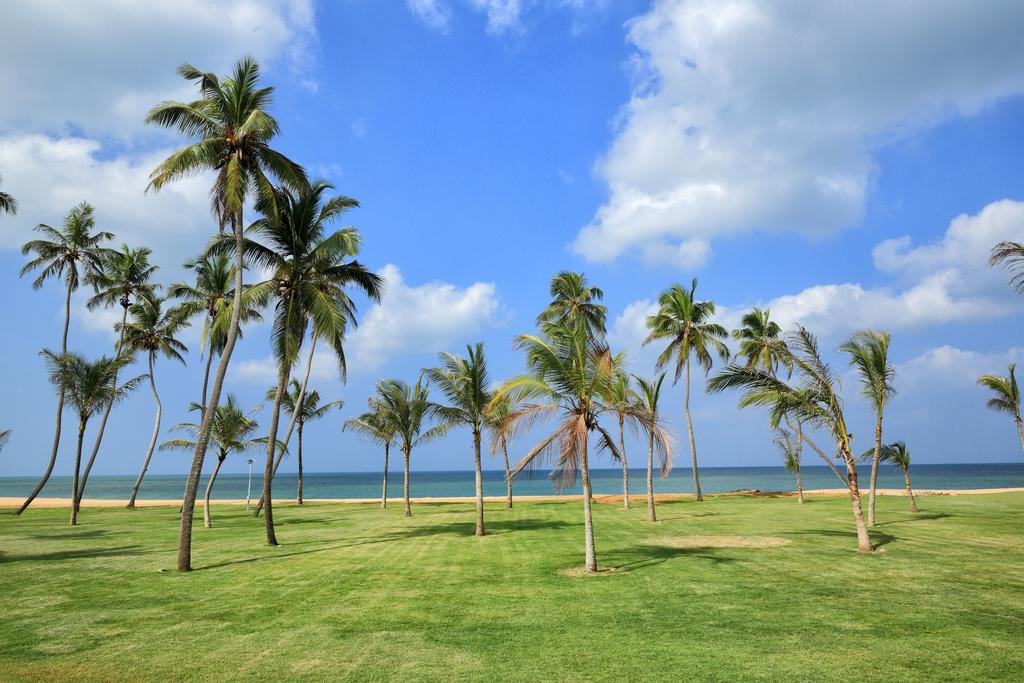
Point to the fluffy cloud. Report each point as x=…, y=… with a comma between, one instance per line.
x=950, y=365
x=433, y=13
x=119, y=76
x=503, y=16
x=753, y=115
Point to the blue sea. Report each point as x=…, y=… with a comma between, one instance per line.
x=444, y=484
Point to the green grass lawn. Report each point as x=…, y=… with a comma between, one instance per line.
x=735, y=587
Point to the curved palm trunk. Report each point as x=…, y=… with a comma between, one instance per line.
x=588, y=520
x=508, y=473
x=60, y=412
x=206, y=380
x=195, y=471
x=74, y=478
x=384, y=489
x=106, y=411
x=479, y=483
x=152, y=441
x=408, y=508
x=651, y=514
x=209, y=488
x=625, y=466
x=298, y=496
x=1020, y=431
x=863, y=540
x=689, y=429
x=910, y=492
x=268, y=469
x=874, y=470
x=291, y=424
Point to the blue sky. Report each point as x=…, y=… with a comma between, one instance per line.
x=839, y=165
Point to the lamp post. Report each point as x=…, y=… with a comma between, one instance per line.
x=248, y=491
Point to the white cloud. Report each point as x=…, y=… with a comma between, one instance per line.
x=949, y=365
x=434, y=13
x=503, y=16
x=749, y=115
x=687, y=255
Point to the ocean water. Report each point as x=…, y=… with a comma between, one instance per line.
x=440, y=484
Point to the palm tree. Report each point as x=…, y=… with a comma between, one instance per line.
x=814, y=401
x=407, y=411
x=897, y=454
x=124, y=275
x=74, y=254
x=310, y=271
x=570, y=374
x=791, y=447
x=5, y=435
x=467, y=386
x=88, y=387
x=623, y=400
x=309, y=410
x=686, y=323
x=658, y=441
x=230, y=432
x=8, y=204
x=231, y=132
x=574, y=301
x=1010, y=255
x=499, y=421
x=374, y=425
x=869, y=354
x=1007, y=397
x=151, y=331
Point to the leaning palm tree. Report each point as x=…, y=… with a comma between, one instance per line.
x=123, y=276
x=374, y=425
x=501, y=424
x=1010, y=255
x=897, y=454
x=310, y=409
x=88, y=387
x=658, y=440
x=623, y=400
x=75, y=254
x=1007, y=397
x=230, y=433
x=8, y=204
x=151, y=331
x=467, y=386
x=791, y=448
x=231, y=132
x=570, y=375
x=869, y=354
x=574, y=301
x=814, y=400
x=686, y=323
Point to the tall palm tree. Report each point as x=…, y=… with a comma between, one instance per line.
x=869, y=354
x=408, y=413
x=814, y=400
x=74, y=254
x=231, y=132
x=685, y=322
x=1010, y=255
x=658, y=441
x=310, y=271
x=1007, y=397
x=8, y=204
x=310, y=409
x=123, y=276
x=467, y=386
x=574, y=301
x=88, y=387
x=374, y=425
x=897, y=454
x=570, y=375
x=623, y=400
x=151, y=331
x=500, y=422
x=230, y=433
x=791, y=448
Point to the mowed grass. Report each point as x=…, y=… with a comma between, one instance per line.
x=732, y=588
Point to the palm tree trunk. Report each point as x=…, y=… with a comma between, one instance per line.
x=874, y=470
x=800, y=442
x=408, y=508
x=625, y=465
x=298, y=498
x=799, y=486
x=508, y=473
x=1020, y=431
x=206, y=380
x=863, y=540
x=910, y=493
x=209, y=488
x=588, y=520
x=651, y=515
x=291, y=424
x=196, y=469
x=60, y=411
x=384, y=489
x=152, y=441
x=268, y=469
x=106, y=411
x=479, y=482
x=74, y=479
x=689, y=428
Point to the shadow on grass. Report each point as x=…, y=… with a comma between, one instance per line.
x=72, y=534
x=76, y=554
x=917, y=517
x=878, y=538
x=645, y=556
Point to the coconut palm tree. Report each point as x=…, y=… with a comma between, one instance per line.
x=467, y=386
x=374, y=425
x=498, y=418
x=407, y=412
x=1010, y=255
x=151, y=331
x=309, y=410
x=869, y=354
x=231, y=132
x=574, y=301
x=814, y=400
x=791, y=447
x=1007, y=397
x=230, y=433
x=623, y=400
x=8, y=204
x=123, y=276
x=74, y=254
x=897, y=454
x=685, y=322
x=658, y=441
x=88, y=386
x=310, y=271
